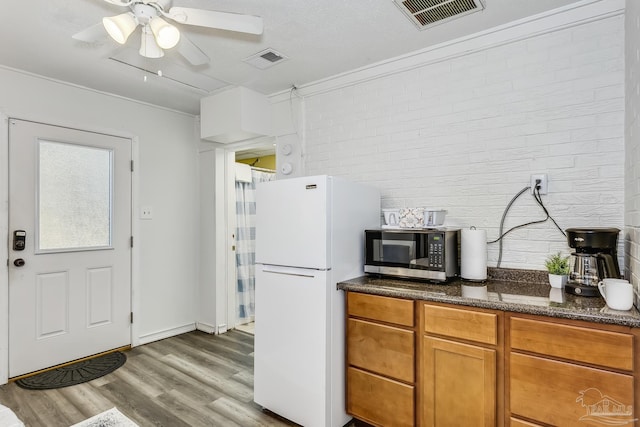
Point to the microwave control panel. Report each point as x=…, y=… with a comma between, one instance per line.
x=436, y=250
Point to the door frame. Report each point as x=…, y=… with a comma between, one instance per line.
x=227, y=209
x=4, y=230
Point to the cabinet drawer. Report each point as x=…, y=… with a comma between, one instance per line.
x=378, y=400
x=382, y=349
x=384, y=309
x=588, y=345
x=465, y=324
x=564, y=394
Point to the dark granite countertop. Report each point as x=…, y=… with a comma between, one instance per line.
x=520, y=291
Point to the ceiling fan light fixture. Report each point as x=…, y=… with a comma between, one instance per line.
x=121, y=26
x=148, y=46
x=167, y=35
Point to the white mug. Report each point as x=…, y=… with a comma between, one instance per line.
x=618, y=293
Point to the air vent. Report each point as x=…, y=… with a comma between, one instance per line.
x=265, y=59
x=428, y=13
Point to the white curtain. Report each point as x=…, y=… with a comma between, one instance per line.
x=245, y=244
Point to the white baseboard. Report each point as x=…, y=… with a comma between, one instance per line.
x=211, y=329
x=205, y=327
x=160, y=335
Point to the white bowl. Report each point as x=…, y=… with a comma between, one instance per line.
x=433, y=217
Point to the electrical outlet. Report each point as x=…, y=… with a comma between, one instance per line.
x=146, y=212
x=543, y=182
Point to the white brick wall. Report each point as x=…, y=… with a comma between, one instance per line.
x=632, y=143
x=465, y=134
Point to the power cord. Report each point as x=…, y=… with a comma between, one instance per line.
x=536, y=196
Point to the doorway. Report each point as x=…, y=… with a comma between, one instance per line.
x=70, y=278
x=250, y=171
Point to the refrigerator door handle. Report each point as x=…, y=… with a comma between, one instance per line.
x=287, y=271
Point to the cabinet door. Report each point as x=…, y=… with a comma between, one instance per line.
x=564, y=394
x=459, y=384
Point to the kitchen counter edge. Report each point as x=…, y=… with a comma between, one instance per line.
x=529, y=296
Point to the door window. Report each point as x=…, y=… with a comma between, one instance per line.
x=74, y=196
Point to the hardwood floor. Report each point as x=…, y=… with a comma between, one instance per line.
x=194, y=379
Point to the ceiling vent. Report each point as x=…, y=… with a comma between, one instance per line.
x=265, y=59
x=428, y=13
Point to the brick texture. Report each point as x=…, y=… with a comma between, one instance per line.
x=465, y=134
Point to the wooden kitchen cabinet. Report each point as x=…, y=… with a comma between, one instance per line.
x=419, y=363
x=381, y=359
x=569, y=373
x=459, y=362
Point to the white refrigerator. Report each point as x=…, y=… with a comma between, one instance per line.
x=309, y=236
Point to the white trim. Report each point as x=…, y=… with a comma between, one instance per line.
x=211, y=329
x=558, y=19
x=230, y=231
x=221, y=329
x=221, y=244
x=136, y=283
x=167, y=333
x=4, y=250
x=205, y=327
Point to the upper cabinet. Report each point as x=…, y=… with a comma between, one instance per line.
x=235, y=115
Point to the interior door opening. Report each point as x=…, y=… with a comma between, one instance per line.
x=251, y=168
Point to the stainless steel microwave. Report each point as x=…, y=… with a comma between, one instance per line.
x=430, y=254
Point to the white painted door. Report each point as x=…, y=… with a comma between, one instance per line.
x=70, y=192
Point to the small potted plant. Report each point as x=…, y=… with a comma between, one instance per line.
x=558, y=268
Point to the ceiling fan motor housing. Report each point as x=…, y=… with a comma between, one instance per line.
x=144, y=12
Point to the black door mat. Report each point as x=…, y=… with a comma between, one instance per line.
x=76, y=373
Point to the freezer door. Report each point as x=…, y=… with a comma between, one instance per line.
x=290, y=364
x=293, y=222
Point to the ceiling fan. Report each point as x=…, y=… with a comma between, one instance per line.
x=158, y=34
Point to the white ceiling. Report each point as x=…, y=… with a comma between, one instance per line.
x=322, y=38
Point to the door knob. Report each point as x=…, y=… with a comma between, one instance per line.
x=19, y=262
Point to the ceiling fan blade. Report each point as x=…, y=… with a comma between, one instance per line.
x=213, y=19
x=191, y=52
x=91, y=34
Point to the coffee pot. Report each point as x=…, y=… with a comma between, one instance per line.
x=595, y=258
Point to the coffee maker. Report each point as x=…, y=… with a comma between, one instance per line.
x=595, y=258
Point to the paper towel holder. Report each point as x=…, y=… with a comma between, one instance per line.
x=473, y=255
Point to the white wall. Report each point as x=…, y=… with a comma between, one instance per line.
x=464, y=129
x=167, y=176
x=632, y=143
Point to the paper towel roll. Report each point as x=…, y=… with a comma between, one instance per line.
x=473, y=254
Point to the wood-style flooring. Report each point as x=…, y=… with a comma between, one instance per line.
x=190, y=380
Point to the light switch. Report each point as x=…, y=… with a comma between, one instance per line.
x=146, y=212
